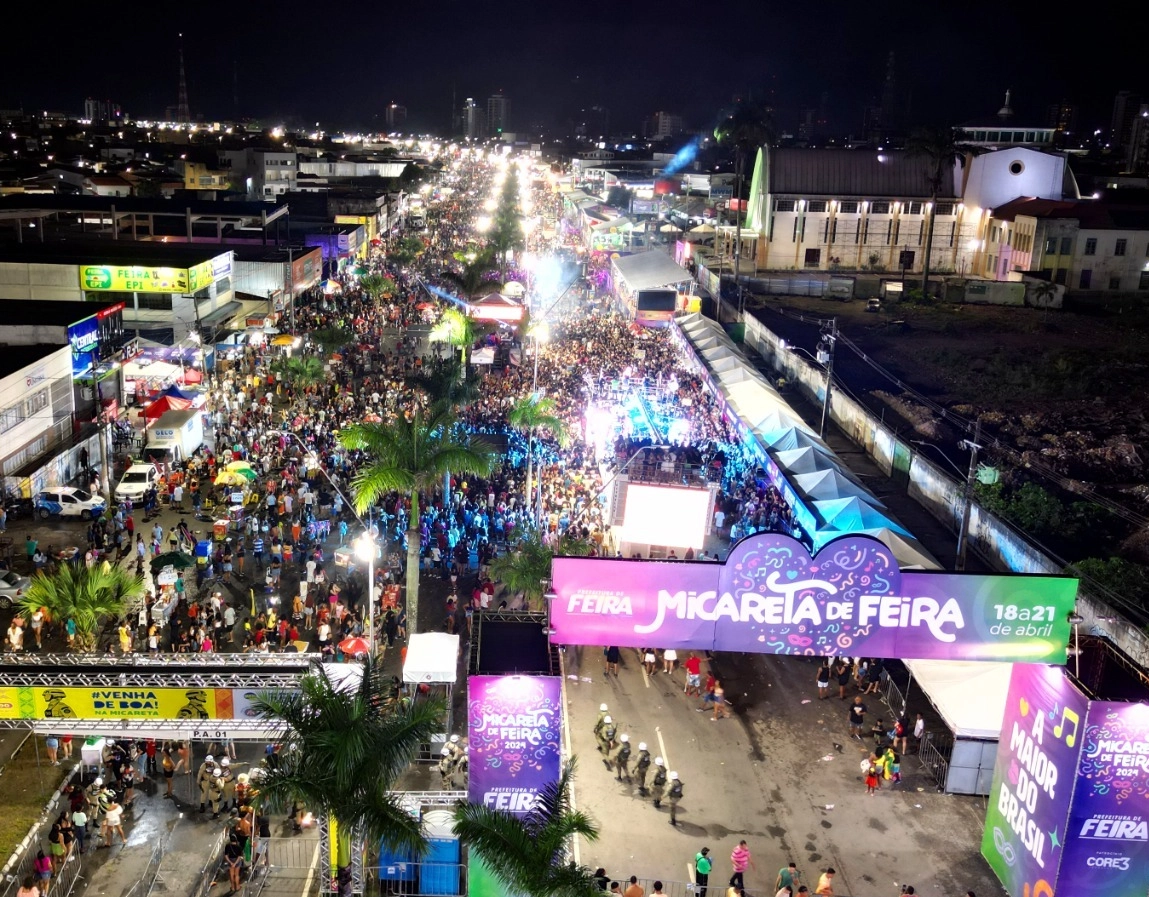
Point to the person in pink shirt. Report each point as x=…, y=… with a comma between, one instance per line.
x=740, y=860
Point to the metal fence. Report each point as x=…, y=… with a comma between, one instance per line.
x=211, y=869
x=150, y=875
x=934, y=754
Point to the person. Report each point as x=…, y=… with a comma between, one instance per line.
x=919, y=732
x=603, y=712
x=80, y=822
x=658, y=892
x=823, y=680
x=648, y=660
x=658, y=783
x=702, y=866
x=642, y=767
x=169, y=767
x=843, y=671
x=856, y=716
x=740, y=860
x=262, y=838
x=872, y=777
x=604, y=739
x=53, y=745
x=634, y=889
x=601, y=878
x=28, y=888
x=669, y=658
x=622, y=758
x=826, y=883
x=718, y=696
x=113, y=823
x=611, y=656
x=693, y=667
x=673, y=796
x=42, y=866
x=901, y=733
x=788, y=875
x=233, y=856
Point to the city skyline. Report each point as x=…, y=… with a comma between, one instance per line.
x=675, y=61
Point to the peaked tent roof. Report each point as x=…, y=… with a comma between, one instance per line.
x=852, y=515
x=804, y=460
x=831, y=484
x=650, y=270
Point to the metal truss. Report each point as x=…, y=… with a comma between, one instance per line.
x=237, y=729
x=161, y=661
x=181, y=679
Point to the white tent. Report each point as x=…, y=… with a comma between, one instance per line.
x=827, y=484
x=649, y=270
x=952, y=685
x=804, y=460
x=431, y=657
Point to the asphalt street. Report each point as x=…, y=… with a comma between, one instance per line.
x=782, y=772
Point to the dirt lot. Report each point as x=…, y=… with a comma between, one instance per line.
x=1064, y=390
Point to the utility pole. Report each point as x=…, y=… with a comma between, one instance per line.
x=963, y=534
x=105, y=468
x=291, y=286
x=826, y=356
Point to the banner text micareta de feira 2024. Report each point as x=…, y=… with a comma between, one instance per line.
x=772, y=597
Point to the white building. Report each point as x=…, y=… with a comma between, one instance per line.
x=36, y=404
x=266, y=173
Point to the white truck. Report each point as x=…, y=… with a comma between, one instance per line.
x=173, y=437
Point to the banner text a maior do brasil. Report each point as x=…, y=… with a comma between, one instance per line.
x=772, y=597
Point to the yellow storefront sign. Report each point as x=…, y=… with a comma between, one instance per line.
x=38, y=702
x=145, y=278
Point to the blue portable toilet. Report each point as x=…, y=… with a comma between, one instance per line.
x=439, y=872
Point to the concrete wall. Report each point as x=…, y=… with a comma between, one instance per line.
x=1002, y=546
x=55, y=283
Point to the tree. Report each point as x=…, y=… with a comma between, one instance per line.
x=746, y=130
x=406, y=251
x=473, y=280
x=942, y=150
x=620, y=197
x=303, y=372
x=526, y=853
x=330, y=339
x=344, y=748
x=89, y=596
x=409, y=455
x=377, y=285
x=527, y=569
x=445, y=382
x=531, y=414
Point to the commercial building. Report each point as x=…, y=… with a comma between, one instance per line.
x=498, y=114
x=167, y=290
x=264, y=173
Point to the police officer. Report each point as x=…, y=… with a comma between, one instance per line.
x=228, y=778
x=673, y=796
x=446, y=765
x=604, y=740
x=641, y=766
x=622, y=758
x=215, y=791
x=202, y=778
x=598, y=723
x=658, y=783
x=463, y=767
x=456, y=750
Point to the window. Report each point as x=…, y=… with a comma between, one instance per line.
x=993, y=136
x=816, y=205
x=783, y=205
x=1029, y=135
x=1016, y=167
x=1059, y=276
x=1066, y=245
x=851, y=208
x=1114, y=283
x=1086, y=277
x=1091, y=246
x=945, y=208
x=35, y=403
x=1143, y=281
x=813, y=258
x=154, y=302
x=906, y=259
x=10, y=417
x=880, y=208
x=1119, y=248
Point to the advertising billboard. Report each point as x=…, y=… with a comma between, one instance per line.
x=84, y=337
x=772, y=597
x=665, y=515
x=514, y=725
x=1107, y=848
x=1041, y=736
x=70, y=702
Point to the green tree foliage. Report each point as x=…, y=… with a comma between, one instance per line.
x=406, y=251
x=530, y=414
x=344, y=749
x=330, y=339
x=303, y=372
x=527, y=569
x=89, y=596
x=1125, y=578
x=377, y=285
x=527, y=853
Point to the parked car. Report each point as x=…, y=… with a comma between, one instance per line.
x=12, y=586
x=136, y=481
x=19, y=508
x=68, y=501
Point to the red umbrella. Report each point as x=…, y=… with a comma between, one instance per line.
x=354, y=646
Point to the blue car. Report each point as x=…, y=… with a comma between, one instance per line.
x=68, y=501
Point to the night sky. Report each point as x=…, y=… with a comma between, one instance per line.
x=340, y=64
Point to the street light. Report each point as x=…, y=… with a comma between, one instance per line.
x=967, y=499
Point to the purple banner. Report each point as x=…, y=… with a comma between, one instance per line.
x=514, y=727
x=1107, y=848
x=1041, y=736
x=772, y=597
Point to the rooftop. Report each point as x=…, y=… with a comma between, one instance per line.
x=37, y=311
x=110, y=252
x=217, y=208
x=16, y=358
x=843, y=172
x=1090, y=214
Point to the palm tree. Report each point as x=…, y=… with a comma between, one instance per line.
x=747, y=129
x=344, y=748
x=458, y=331
x=942, y=150
x=303, y=372
x=376, y=285
x=329, y=339
x=445, y=382
x=527, y=569
x=406, y=251
x=473, y=280
x=531, y=414
x=409, y=455
x=89, y=596
x=527, y=853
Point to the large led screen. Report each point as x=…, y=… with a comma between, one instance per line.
x=664, y=515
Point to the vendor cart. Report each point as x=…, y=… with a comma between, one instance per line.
x=220, y=529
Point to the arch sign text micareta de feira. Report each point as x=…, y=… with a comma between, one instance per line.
x=772, y=597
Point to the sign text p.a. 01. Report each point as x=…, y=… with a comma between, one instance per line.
x=210, y=734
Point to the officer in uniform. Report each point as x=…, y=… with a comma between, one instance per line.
x=228, y=778
x=202, y=778
x=463, y=767
x=215, y=791
x=598, y=723
x=641, y=766
x=446, y=765
x=673, y=796
x=605, y=740
x=658, y=783
x=622, y=758
x=456, y=750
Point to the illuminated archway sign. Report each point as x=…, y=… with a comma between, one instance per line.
x=771, y=597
